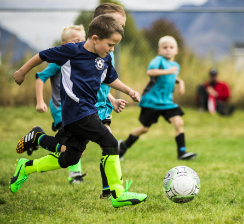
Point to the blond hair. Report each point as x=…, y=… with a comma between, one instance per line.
x=167, y=39
x=66, y=31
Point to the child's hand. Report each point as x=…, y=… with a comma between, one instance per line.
x=135, y=96
x=41, y=107
x=119, y=105
x=173, y=70
x=19, y=77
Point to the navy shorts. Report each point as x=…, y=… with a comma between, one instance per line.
x=150, y=116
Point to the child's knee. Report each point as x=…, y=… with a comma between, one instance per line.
x=144, y=129
x=68, y=159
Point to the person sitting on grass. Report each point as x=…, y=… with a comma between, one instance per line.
x=214, y=95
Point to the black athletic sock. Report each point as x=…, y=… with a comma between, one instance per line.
x=180, y=141
x=106, y=189
x=129, y=141
x=49, y=143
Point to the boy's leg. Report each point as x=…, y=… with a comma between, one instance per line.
x=106, y=193
x=75, y=173
x=106, y=190
x=180, y=139
x=132, y=138
x=112, y=169
x=147, y=118
x=37, y=137
x=25, y=167
x=50, y=162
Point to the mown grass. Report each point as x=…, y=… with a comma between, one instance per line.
x=48, y=198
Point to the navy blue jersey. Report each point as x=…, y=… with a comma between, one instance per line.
x=82, y=73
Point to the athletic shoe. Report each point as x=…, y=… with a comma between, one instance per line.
x=105, y=195
x=20, y=176
x=187, y=156
x=128, y=198
x=28, y=142
x=121, y=150
x=77, y=179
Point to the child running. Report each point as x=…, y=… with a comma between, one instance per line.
x=84, y=66
x=157, y=98
x=105, y=104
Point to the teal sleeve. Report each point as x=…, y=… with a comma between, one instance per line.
x=112, y=56
x=50, y=70
x=155, y=63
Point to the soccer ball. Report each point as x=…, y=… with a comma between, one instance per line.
x=181, y=184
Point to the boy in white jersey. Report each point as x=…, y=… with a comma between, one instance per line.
x=84, y=66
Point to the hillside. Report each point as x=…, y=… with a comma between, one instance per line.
x=10, y=43
x=205, y=33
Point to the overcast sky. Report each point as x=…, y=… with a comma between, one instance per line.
x=41, y=29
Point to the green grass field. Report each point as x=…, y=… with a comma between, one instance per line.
x=48, y=198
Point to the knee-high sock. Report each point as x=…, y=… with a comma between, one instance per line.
x=75, y=169
x=180, y=141
x=49, y=143
x=46, y=163
x=111, y=165
x=104, y=178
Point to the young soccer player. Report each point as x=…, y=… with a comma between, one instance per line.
x=84, y=66
x=70, y=34
x=105, y=104
x=157, y=98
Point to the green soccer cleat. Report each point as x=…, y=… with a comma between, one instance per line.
x=128, y=198
x=20, y=176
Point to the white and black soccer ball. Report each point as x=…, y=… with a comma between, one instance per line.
x=181, y=184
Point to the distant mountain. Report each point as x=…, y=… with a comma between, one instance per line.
x=205, y=33
x=10, y=43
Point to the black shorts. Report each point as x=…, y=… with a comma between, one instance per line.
x=78, y=134
x=150, y=116
x=107, y=120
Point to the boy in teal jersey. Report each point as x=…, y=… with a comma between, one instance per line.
x=157, y=98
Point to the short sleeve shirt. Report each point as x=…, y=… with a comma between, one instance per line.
x=82, y=74
x=158, y=94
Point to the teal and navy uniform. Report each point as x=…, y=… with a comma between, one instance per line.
x=53, y=71
x=158, y=94
x=103, y=104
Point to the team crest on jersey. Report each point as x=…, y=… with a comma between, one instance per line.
x=99, y=63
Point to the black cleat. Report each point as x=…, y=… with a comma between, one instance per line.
x=121, y=149
x=187, y=156
x=28, y=142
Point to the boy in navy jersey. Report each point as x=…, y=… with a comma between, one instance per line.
x=157, y=98
x=84, y=66
x=105, y=103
